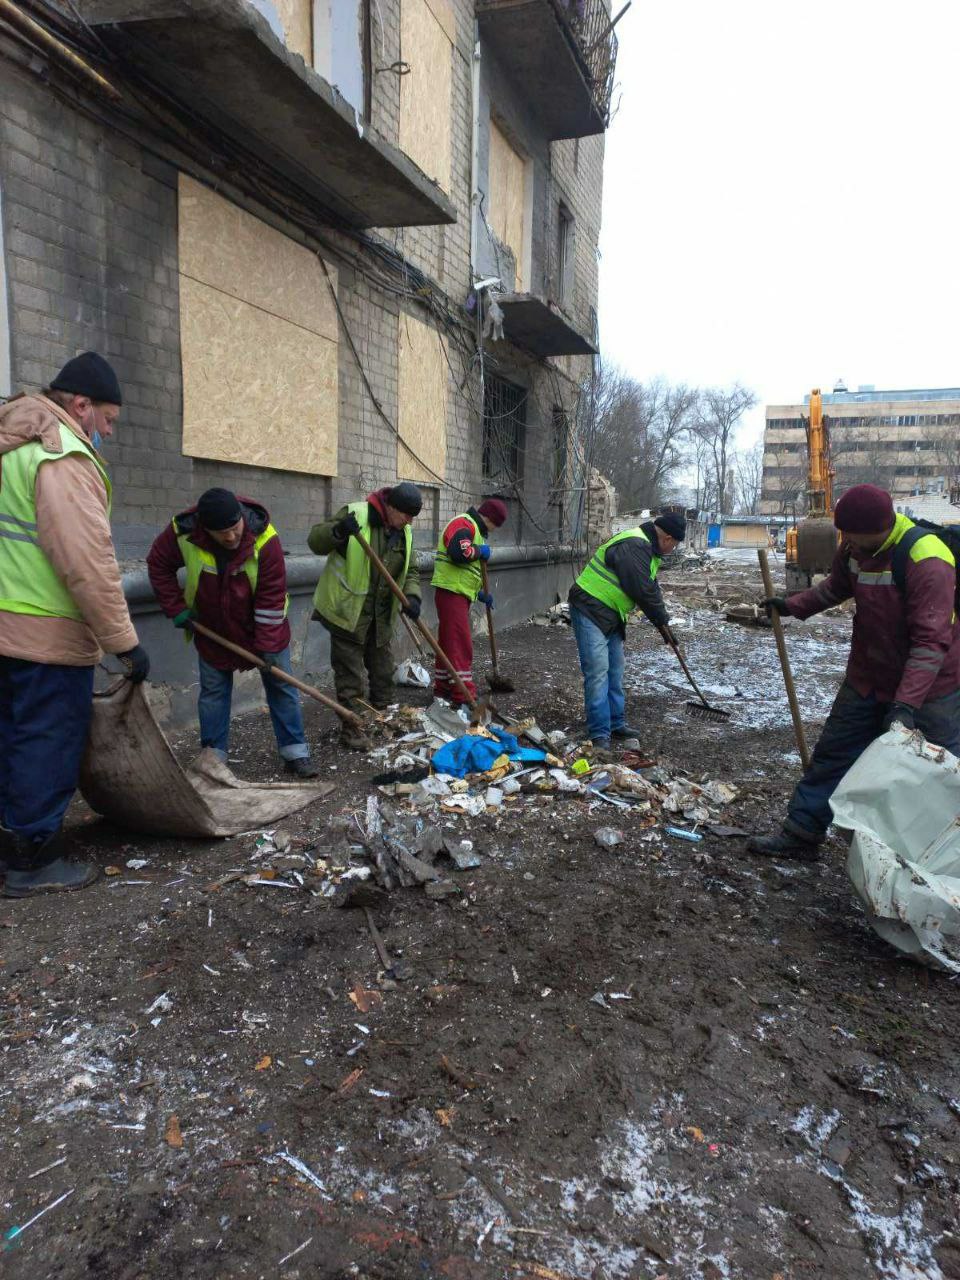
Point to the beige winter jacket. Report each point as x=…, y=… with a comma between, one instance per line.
x=74, y=533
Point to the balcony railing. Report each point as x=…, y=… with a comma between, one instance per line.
x=563, y=53
x=595, y=41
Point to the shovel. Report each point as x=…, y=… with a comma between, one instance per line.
x=497, y=682
x=701, y=709
x=477, y=710
x=785, y=663
x=348, y=717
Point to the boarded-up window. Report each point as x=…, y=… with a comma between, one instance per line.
x=258, y=338
x=507, y=196
x=297, y=19
x=427, y=33
x=422, y=419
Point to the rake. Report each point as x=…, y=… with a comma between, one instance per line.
x=701, y=710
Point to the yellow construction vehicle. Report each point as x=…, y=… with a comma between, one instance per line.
x=812, y=544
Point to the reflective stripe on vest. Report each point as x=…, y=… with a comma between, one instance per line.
x=464, y=579
x=601, y=582
x=345, y=581
x=197, y=561
x=29, y=583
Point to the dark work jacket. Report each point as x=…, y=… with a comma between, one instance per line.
x=630, y=561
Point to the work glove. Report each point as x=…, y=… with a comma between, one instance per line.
x=668, y=636
x=776, y=604
x=269, y=660
x=485, y=598
x=344, y=529
x=137, y=663
x=483, y=551
x=412, y=607
x=184, y=619
x=899, y=713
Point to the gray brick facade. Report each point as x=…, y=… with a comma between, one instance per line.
x=90, y=256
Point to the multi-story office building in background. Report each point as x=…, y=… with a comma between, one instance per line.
x=906, y=441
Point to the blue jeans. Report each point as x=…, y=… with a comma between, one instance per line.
x=213, y=707
x=853, y=723
x=44, y=719
x=601, y=661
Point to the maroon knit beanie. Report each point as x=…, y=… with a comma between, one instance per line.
x=493, y=511
x=864, y=509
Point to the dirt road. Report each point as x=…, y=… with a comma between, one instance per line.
x=664, y=1059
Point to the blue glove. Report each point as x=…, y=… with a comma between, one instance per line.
x=485, y=598
x=483, y=551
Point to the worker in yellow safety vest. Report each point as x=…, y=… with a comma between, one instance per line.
x=619, y=577
x=236, y=585
x=353, y=600
x=61, y=606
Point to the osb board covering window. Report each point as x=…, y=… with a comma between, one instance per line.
x=297, y=19
x=422, y=418
x=258, y=337
x=426, y=44
x=506, y=196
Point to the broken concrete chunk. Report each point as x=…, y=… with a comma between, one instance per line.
x=438, y=889
x=463, y=857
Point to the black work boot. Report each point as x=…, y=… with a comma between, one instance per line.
x=625, y=731
x=35, y=867
x=785, y=845
x=301, y=767
x=601, y=750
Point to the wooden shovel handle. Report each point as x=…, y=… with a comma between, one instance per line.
x=490, y=631
x=348, y=717
x=784, y=662
x=421, y=626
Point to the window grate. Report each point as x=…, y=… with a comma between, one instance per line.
x=504, y=431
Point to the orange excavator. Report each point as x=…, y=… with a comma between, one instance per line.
x=812, y=544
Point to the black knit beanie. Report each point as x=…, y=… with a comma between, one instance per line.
x=405, y=497
x=673, y=525
x=89, y=375
x=218, y=509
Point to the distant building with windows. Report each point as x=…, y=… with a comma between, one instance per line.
x=906, y=441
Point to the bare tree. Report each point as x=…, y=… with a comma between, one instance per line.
x=640, y=436
x=720, y=412
x=748, y=479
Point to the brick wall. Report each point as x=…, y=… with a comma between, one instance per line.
x=90, y=235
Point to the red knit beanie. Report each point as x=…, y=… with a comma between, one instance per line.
x=493, y=511
x=864, y=509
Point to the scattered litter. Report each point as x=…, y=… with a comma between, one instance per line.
x=137, y=864
x=608, y=837
x=18, y=1231
x=162, y=1004
x=694, y=837
x=47, y=1167
x=412, y=674
x=300, y=1168
x=599, y=998
x=172, y=1135
x=264, y=1062
x=293, y=1252
x=463, y=857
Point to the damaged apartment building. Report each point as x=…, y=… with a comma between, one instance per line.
x=326, y=244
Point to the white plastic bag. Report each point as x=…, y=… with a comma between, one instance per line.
x=412, y=673
x=901, y=799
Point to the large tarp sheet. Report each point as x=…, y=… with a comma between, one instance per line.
x=902, y=801
x=131, y=776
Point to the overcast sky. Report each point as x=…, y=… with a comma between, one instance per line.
x=781, y=195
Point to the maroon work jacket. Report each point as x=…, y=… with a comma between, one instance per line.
x=225, y=602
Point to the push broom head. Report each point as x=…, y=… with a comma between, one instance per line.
x=701, y=711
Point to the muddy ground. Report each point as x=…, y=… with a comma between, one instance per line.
x=767, y=1090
